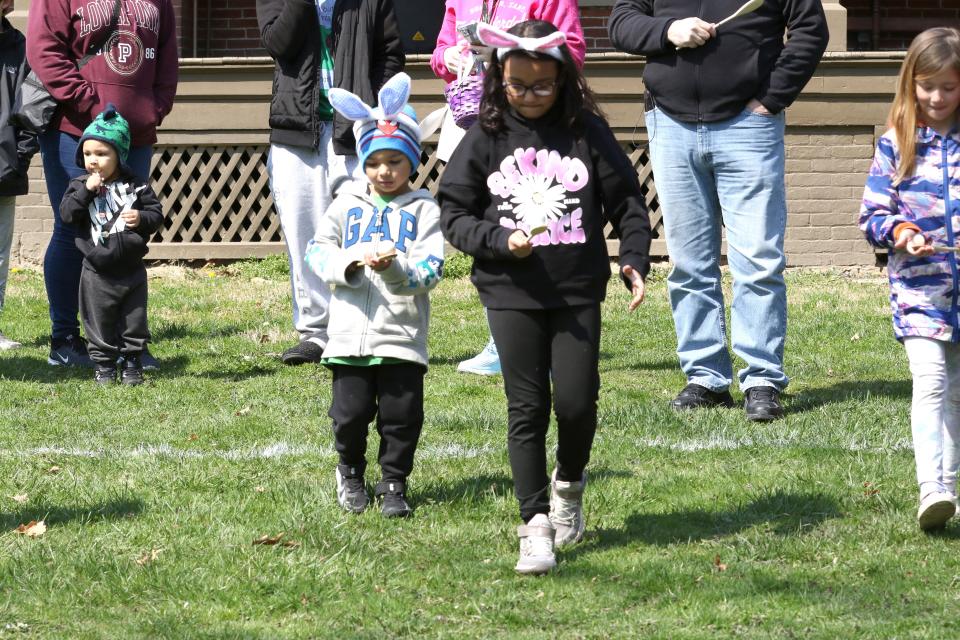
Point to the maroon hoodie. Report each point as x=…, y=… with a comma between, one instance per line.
x=136, y=69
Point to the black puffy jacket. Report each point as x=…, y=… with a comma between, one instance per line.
x=748, y=59
x=371, y=54
x=17, y=145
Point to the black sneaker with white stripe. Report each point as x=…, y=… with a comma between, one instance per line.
x=351, y=491
x=392, y=493
x=69, y=352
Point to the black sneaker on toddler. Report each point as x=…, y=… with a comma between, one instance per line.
x=132, y=372
x=351, y=492
x=392, y=493
x=104, y=376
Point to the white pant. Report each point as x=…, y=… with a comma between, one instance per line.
x=935, y=413
x=8, y=210
x=300, y=179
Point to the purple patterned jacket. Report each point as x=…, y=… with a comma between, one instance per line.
x=923, y=291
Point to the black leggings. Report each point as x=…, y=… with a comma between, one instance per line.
x=535, y=345
x=393, y=393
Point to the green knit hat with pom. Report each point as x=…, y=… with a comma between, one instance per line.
x=109, y=127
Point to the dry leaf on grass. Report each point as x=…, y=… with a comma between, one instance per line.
x=192, y=437
x=148, y=557
x=20, y=497
x=53, y=469
x=268, y=540
x=719, y=566
x=243, y=412
x=32, y=529
x=259, y=489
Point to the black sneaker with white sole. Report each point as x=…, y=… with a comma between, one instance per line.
x=392, y=494
x=304, y=352
x=69, y=352
x=351, y=491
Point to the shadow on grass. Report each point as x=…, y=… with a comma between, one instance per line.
x=55, y=514
x=180, y=330
x=22, y=367
x=470, y=490
x=786, y=514
x=811, y=399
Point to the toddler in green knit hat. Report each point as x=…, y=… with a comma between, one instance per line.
x=116, y=213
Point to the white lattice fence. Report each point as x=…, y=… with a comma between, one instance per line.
x=218, y=203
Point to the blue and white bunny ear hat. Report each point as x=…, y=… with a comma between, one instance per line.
x=392, y=124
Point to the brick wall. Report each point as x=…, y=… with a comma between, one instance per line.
x=825, y=172
x=899, y=21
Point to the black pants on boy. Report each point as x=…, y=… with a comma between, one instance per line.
x=391, y=393
x=113, y=309
x=535, y=345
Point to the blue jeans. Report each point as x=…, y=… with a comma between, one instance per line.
x=61, y=264
x=728, y=173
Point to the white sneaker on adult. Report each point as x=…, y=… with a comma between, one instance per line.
x=7, y=344
x=536, y=546
x=566, y=510
x=935, y=509
x=485, y=363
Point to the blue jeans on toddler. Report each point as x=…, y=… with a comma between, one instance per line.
x=61, y=263
x=731, y=173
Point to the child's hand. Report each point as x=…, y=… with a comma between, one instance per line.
x=519, y=244
x=636, y=283
x=94, y=182
x=131, y=218
x=378, y=263
x=914, y=243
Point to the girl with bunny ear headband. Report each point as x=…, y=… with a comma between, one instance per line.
x=506, y=42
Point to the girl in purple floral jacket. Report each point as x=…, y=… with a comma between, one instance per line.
x=911, y=205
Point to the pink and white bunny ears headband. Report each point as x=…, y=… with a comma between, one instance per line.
x=392, y=124
x=506, y=42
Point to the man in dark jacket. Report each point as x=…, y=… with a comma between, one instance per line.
x=318, y=44
x=714, y=113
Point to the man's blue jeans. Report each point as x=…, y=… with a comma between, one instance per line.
x=728, y=173
x=61, y=263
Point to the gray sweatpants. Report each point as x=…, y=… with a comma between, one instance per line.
x=113, y=310
x=300, y=179
x=8, y=210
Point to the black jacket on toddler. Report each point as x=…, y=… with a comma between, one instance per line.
x=117, y=249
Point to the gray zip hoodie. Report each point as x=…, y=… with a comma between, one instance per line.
x=382, y=314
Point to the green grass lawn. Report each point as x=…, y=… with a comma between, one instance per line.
x=700, y=525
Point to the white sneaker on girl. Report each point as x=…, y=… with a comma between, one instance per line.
x=536, y=546
x=566, y=509
x=935, y=509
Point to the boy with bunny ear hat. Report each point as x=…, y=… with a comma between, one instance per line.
x=379, y=245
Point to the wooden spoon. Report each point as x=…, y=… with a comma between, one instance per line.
x=748, y=7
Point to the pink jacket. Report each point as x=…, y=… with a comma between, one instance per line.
x=564, y=14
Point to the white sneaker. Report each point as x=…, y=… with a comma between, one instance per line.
x=566, y=510
x=485, y=363
x=935, y=509
x=7, y=344
x=536, y=546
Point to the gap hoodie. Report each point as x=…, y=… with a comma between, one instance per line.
x=495, y=181
x=383, y=314
x=136, y=69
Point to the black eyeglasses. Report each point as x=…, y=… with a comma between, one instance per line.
x=517, y=90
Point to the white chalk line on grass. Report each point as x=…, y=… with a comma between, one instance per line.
x=437, y=452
